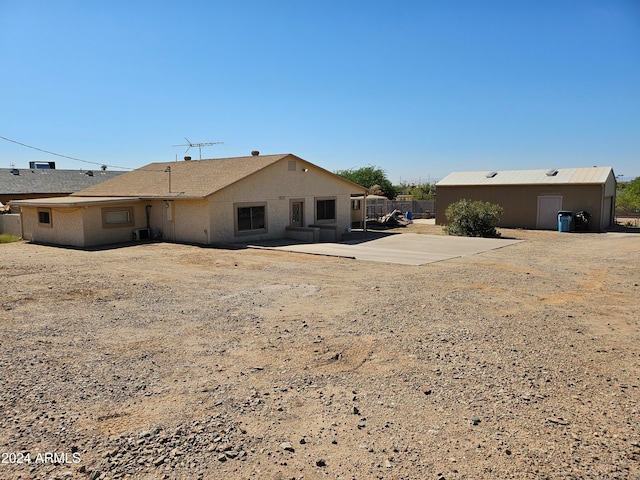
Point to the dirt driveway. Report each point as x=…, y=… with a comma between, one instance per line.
x=165, y=361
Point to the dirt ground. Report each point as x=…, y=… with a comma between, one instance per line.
x=164, y=361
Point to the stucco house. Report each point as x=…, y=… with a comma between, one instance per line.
x=225, y=200
x=533, y=198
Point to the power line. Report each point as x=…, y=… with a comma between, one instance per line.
x=60, y=155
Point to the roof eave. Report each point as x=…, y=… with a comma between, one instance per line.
x=72, y=202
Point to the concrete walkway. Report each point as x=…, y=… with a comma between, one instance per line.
x=400, y=248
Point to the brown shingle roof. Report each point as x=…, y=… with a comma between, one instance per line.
x=196, y=178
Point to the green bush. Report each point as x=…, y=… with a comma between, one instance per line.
x=6, y=238
x=469, y=218
x=628, y=198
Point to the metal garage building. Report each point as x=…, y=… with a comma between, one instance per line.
x=532, y=198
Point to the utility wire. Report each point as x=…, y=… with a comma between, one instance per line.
x=60, y=155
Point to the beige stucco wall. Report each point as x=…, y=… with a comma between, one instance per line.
x=178, y=220
x=190, y=221
x=96, y=234
x=520, y=202
x=66, y=226
x=80, y=226
x=156, y=217
x=278, y=186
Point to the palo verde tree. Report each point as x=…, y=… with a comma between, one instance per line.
x=628, y=197
x=424, y=191
x=373, y=178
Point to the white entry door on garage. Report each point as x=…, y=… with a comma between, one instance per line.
x=548, y=207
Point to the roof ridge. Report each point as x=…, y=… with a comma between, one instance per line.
x=278, y=155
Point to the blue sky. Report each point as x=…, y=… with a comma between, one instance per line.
x=418, y=88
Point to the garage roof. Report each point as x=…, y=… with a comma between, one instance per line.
x=589, y=175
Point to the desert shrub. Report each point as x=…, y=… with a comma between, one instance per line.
x=469, y=218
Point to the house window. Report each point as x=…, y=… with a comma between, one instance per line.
x=44, y=217
x=325, y=209
x=117, y=218
x=113, y=217
x=355, y=204
x=251, y=218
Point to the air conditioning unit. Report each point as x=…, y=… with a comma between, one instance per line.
x=141, y=234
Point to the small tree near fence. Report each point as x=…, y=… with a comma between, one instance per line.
x=469, y=218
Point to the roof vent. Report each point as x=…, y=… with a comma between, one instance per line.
x=491, y=174
x=15, y=171
x=89, y=173
x=551, y=173
x=255, y=153
x=187, y=159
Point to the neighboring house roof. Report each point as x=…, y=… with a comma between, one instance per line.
x=189, y=179
x=30, y=181
x=557, y=176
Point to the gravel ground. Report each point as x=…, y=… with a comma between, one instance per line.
x=164, y=361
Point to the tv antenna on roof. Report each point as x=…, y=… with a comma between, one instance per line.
x=190, y=144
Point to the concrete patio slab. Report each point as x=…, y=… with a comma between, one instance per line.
x=404, y=248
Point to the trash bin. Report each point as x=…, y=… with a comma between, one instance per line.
x=581, y=221
x=564, y=220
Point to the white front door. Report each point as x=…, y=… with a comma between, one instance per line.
x=548, y=207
